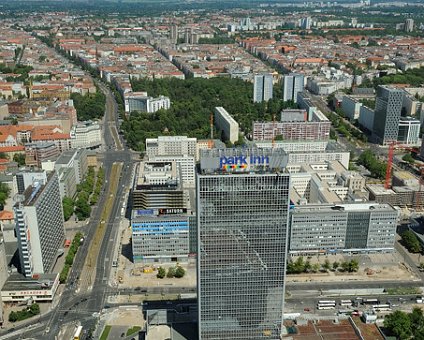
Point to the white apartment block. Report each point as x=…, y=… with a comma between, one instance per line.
x=141, y=102
x=171, y=145
x=226, y=123
x=294, y=146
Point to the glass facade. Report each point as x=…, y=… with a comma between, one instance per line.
x=242, y=250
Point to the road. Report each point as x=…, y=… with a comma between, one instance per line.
x=80, y=307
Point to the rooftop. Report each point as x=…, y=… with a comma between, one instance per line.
x=18, y=282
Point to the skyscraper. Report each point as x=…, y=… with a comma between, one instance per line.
x=292, y=85
x=39, y=226
x=174, y=34
x=262, y=87
x=242, y=219
x=409, y=25
x=388, y=107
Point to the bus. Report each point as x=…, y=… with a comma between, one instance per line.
x=322, y=307
x=322, y=302
x=382, y=308
x=77, y=335
x=370, y=302
x=346, y=303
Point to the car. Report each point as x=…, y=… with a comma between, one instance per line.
x=307, y=309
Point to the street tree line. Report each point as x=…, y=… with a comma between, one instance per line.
x=69, y=260
x=88, y=193
x=301, y=266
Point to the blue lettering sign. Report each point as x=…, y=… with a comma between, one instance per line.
x=243, y=160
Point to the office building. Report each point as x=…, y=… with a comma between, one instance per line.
x=342, y=228
x=158, y=186
x=409, y=25
x=227, y=124
x=262, y=87
x=39, y=226
x=76, y=159
x=366, y=118
x=409, y=130
x=87, y=135
x=388, y=107
x=351, y=107
x=24, y=179
x=242, y=219
x=36, y=153
x=174, y=34
x=292, y=85
x=315, y=128
x=186, y=165
x=160, y=237
x=171, y=145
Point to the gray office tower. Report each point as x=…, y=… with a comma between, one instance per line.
x=242, y=205
x=388, y=107
x=262, y=88
x=292, y=85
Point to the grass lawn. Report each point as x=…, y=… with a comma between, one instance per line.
x=132, y=330
x=105, y=333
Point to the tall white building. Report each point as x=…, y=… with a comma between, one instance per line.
x=292, y=85
x=409, y=25
x=409, y=130
x=262, y=87
x=171, y=145
x=141, y=102
x=39, y=226
x=226, y=123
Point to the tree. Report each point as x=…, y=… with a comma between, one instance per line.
x=408, y=158
x=19, y=158
x=353, y=266
x=335, y=265
x=345, y=266
x=421, y=266
x=4, y=155
x=171, y=272
x=417, y=319
x=315, y=267
x=4, y=193
x=13, y=317
x=326, y=265
x=399, y=324
x=411, y=242
x=179, y=272
x=161, y=273
x=68, y=207
x=35, y=309
x=82, y=209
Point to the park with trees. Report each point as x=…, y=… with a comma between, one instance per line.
x=300, y=265
x=193, y=101
x=404, y=325
x=24, y=314
x=89, y=106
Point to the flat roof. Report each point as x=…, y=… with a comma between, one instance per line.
x=342, y=207
x=66, y=156
x=18, y=282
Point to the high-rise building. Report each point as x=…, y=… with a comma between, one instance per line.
x=409, y=130
x=409, y=25
x=174, y=34
x=262, y=87
x=292, y=85
x=39, y=226
x=242, y=221
x=306, y=23
x=388, y=107
x=227, y=124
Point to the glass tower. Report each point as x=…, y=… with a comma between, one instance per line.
x=242, y=246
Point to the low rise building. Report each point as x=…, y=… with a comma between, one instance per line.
x=40, y=288
x=36, y=153
x=342, y=228
x=86, y=135
x=76, y=159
